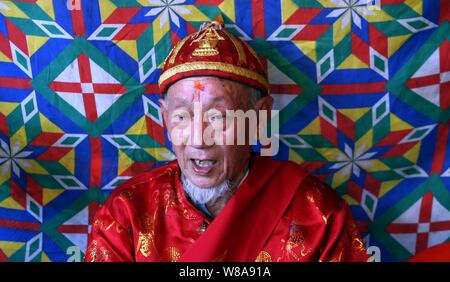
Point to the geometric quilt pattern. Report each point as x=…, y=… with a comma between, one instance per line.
x=362, y=86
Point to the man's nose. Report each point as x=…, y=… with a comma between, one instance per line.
x=198, y=128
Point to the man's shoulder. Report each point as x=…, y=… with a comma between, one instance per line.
x=312, y=195
x=317, y=190
x=271, y=163
x=311, y=191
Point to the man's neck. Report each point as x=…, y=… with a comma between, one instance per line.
x=216, y=205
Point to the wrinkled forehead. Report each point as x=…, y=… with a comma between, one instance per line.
x=206, y=88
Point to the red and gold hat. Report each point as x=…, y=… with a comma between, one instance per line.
x=213, y=51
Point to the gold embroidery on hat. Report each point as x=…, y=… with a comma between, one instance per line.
x=207, y=43
x=176, y=49
x=224, y=67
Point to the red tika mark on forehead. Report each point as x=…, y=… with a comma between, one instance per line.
x=198, y=85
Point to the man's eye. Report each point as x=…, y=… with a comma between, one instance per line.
x=179, y=117
x=216, y=117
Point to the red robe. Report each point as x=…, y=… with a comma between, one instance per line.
x=279, y=213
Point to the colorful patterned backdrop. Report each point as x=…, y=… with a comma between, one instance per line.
x=363, y=87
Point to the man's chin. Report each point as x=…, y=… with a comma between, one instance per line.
x=204, y=182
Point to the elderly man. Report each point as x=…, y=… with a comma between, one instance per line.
x=219, y=201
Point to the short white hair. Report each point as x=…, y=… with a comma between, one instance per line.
x=255, y=95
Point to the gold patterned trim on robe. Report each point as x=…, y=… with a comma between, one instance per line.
x=189, y=215
x=263, y=256
x=224, y=67
x=172, y=254
x=145, y=243
x=358, y=245
x=295, y=243
x=119, y=229
x=314, y=196
x=98, y=225
x=126, y=195
x=146, y=237
x=97, y=253
x=169, y=199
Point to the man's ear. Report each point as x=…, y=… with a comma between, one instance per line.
x=163, y=105
x=264, y=103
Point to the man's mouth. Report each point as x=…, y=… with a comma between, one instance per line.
x=203, y=166
x=204, y=163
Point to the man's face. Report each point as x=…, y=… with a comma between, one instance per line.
x=206, y=165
